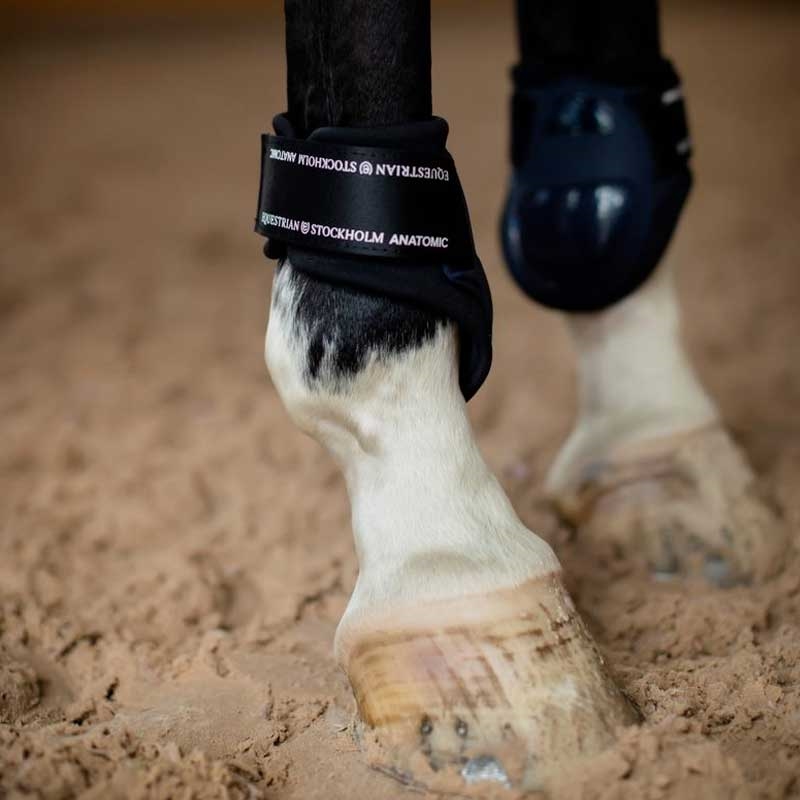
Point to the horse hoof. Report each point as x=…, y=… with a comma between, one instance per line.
x=485, y=696
x=689, y=504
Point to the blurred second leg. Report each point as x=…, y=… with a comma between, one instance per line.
x=601, y=154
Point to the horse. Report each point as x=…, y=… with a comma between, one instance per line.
x=471, y=668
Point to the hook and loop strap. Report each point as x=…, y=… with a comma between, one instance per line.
x=356, y=200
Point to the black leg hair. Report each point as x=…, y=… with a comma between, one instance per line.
x=358, y=63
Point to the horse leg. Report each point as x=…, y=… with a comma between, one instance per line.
x=471, y=668
x=649, y=468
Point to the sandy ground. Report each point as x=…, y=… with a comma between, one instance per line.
x=174, y=556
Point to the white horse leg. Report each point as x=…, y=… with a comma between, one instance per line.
x=467, y=658
x=648, y=465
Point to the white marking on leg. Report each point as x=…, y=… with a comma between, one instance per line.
x=634, y=377
x=429, y=518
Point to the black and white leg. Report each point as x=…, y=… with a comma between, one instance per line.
x=471, y=669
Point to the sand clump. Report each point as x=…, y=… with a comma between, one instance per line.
x=19, y=688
